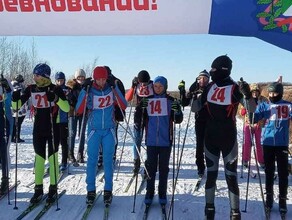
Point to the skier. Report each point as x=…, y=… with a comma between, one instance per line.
x=6, y=127
x=255, y=129
x=75, y=86
x=17, y=84
x=201, y=116
x=119, y=114
x=277, y=114
x=101, y=99
x=221, y=98
x=142, y=87
x=62, y=132
x=44, y=96
x=161, y=111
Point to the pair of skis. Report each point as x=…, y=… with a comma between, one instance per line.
x=163, y=211
x=268, y=214
x=46, y=207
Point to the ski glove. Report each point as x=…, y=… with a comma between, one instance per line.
x=175, y=106
x=144, y=102
x=182, y=88
x=87, y=82
x=16, y=95
x=50, y=96
x=135, y=82
x=244, y=89
x=5, y=85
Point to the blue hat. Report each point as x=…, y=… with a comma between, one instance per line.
x=162, y=80
x=60, y=75
x=43, y=70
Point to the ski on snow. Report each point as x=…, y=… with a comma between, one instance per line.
x=31, y=207
x=198, y=184
x=163, y=212
x=48, y=206
x=146, y=211
x=90, y=206
x=268, y=214
x=11, y=187
x=106, y=211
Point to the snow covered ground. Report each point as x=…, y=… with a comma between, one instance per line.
x=189, y=205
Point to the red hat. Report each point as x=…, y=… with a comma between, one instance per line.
x=100, y=72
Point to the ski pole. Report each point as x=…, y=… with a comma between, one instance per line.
x=243, y=139
x=135, y=195
x=173, y=167
x=180, y=158
x=131, y=134
x=126, y=132
x=16, y=155
x=54, y=154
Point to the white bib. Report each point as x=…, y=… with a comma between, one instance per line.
x=280, y=112
x=144, y=91
x=40, y=100
x=101, y=102
x=157, y=107
x=220, y=95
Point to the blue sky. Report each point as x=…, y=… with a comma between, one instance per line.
x=176, y=57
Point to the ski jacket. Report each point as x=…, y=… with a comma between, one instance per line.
x=23, y=109
x=41, y=107
x=5, y=111
x=100, y=104
x=140, y=91
x=277, y=116
x=62, y=116
x=72, y=96
x=160, y=119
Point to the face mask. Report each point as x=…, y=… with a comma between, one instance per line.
x=275, y=99
x=219, y=75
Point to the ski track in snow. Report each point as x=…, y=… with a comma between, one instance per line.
x=188, y=205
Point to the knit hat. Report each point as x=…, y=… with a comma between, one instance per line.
x=100, y=72
x=143, y=76
x=162, y=80
x=222, y=63
x=60, y=75
x=80, y=72
x=43, y=70
x=204, y=73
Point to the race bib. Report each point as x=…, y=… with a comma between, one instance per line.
x=157, y=107
x=280, y=112
x=101, y=102
x=40, y=100
x=144, y=91
x=220, y=95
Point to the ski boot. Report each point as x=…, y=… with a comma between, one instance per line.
x=63, y=167
x=107, y=197
x=38, y=194
x=209, y=212
x=137, y=164
x=4, y=185
x=282, y=206
x=71, y=156
x=162, y=199
x=235, y=214
x=90, y=197
x=148, y=197
x=52, y=195
x=80, y=157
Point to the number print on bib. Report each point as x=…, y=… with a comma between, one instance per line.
x=40, y=100
x=144, y=91
x=157, y=107
x=101, y=102
x=220, y=95
x=280, y=112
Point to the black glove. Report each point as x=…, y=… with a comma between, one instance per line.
x=135, y=82
x=5, y=84
x=112, y=82
x=244, y=88
x=182, y=87
x=144, y=102
x=87, y=82
x=50, y=96
x=175, y=106
x=16, y=95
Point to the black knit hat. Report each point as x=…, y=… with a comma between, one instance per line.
x=222, y=63
x=143, y=76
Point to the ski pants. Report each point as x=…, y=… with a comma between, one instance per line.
x=200, y=136
x=221, y=138
x=40, y=141
x=73, y=121
x=20, y=120
x=158, y=156
x=277, y=155
x=138, y=136
x=4, y=154
x=249, y=133
x=106, y=139
x=61, y=137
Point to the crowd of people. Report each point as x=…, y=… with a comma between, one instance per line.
x=98, y=103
